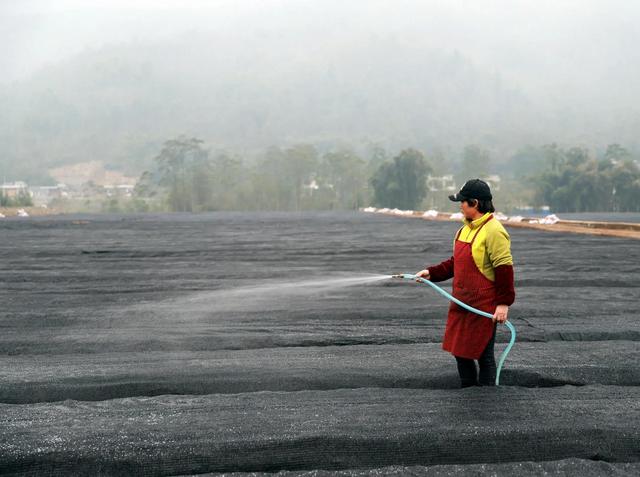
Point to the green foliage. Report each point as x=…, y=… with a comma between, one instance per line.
x=575, y=182
x=527, y=162
x=615, y=152
x=184, y=169
x=345, y=175
x=125, y=205
x=402, y=182
x=189, y=178
x=278, y=181
x=22, y=200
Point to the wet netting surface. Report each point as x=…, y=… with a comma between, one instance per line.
x=274, y=343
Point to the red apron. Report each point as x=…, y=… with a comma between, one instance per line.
x=467, y=334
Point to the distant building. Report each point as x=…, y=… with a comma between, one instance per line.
x=43, y=195
x=121, y=190
x=14, y=189
x=440, y=183
x=448, y=184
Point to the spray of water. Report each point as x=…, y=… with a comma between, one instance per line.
x=303, y=285
x=263, y=295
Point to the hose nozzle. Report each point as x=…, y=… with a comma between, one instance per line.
x=403, y=276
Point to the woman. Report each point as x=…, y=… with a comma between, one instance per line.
x=482, y=271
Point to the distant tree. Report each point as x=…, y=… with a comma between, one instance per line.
x=23, y=199
x=476, y=162
x=183, y=168
x=615, y=152
x=439, y=162
x=576, y=156
x=527, y=162
x=344, y=172
x=146, y=185
x=277, y=180
x=401, y=183
x=624, y=182
x=574, y=182
x=228, y=174
x=300, y=165
x=377, y=157
x=554, y=157
x=268, y=184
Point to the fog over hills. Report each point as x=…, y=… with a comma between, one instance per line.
x=278, y=73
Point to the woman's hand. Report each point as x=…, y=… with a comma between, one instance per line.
x=423, y=274
x=502, y=311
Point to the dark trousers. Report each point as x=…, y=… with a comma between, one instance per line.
x=487, y=362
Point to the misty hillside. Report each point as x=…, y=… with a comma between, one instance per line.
x=247, y=91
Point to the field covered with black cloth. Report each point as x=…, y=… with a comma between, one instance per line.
x=269, y=342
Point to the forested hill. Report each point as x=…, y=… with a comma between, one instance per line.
x=245, y=92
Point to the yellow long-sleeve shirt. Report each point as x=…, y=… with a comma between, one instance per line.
x=492, y=246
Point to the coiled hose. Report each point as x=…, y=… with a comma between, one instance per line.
x=448, y=296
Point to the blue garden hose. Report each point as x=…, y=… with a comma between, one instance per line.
x=408, y=276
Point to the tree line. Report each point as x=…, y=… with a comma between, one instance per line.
x=187, y=177
x=21, y=200
x=574, y=181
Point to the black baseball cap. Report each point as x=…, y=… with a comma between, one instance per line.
x=473, y=189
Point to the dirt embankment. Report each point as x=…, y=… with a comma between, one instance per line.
x=32, y=211
x=589, y=227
